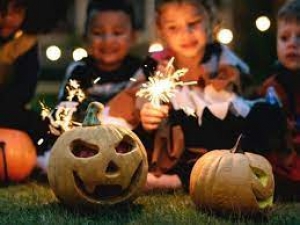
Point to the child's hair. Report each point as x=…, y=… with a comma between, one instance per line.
x=41, y=16
x=206, y=6
x=109, y=5
x=290, y=11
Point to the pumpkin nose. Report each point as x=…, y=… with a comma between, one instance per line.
x=112, y=168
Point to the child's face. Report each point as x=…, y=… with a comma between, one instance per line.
x=288, y=44
x=183, y=28
x=11, y=21
x=110, y=36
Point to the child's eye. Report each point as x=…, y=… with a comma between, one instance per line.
x=171, y=28
x=195, y=23
x=119, y=32
x=283, y=38
x=97, y=32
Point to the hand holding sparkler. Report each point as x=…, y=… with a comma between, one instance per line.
x=162, y=86
x=151, y=116
x=158, y=90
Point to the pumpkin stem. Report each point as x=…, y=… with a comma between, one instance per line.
x=93, y=114
x=238, y=146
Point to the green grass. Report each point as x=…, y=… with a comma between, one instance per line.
x=34, y=203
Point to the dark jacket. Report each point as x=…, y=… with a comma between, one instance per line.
x=19, y=71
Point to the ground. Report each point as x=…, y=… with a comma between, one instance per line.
x=33, y=202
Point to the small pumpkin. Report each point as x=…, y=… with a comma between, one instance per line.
x=232, y=180
x=17, y=155
x=97, y=164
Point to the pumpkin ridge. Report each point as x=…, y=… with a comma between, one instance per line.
x=215, y=167
x=201, y=181
x=204, y=181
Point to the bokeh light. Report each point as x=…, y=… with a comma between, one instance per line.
x=79, y=53
x=225, y=36
x=53, y=53
x=155, y=47
x=263, y=23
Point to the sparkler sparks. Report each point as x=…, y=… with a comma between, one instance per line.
x=73, y=89
x=46, y=111
x=96, y=80
x=61, y=118
x=162, y=86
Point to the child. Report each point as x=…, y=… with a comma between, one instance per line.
x=20, y=22
x=109, y=32
x=185, y=26
x=286, y=82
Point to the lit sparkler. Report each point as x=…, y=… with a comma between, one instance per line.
x=61, y=118
x=161, y=87
x=74, y=90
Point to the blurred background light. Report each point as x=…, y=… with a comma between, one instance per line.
x=225, y=36
x=79, y=53
x=263, y=23
x=53, y=53
x=155, y=47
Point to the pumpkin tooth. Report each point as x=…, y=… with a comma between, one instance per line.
x=90, y=188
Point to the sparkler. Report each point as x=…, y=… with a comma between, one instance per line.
x=73, y=89
x=161, y=87
x=61, y=118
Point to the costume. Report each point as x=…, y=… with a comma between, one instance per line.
x=19, y=69
x=286, y=161
x=181, y=140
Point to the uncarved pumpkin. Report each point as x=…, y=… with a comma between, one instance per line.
x=17, y=155
x=231, y=180
x=97, y=164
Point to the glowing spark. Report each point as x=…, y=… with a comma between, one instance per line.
x=40, y=141
x=189, y=111
x=46, y=111
x=133, y=79
x=61, y=117
x=96, y=80
x=162, y=86
x=73, y=89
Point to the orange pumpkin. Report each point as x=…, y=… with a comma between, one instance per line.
x=17, y=155
x=232, y=181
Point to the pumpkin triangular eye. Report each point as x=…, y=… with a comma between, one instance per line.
x=125, y=146
x=82, y=149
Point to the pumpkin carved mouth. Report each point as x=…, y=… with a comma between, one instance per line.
x=101, y=191
x=104, y=192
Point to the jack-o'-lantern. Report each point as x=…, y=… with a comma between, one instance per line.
x=232, y=181
x=17, y=155
x=97, y=164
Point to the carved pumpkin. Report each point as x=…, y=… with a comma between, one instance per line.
x=97, y=164
x=231, y=180
x=17, y=155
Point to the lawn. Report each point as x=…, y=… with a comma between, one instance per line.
x=34, y=203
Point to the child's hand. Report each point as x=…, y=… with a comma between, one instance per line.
x=151, y=116
x=165, y=68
